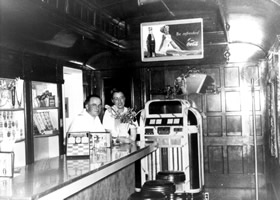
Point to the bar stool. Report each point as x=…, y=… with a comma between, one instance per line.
x=147, y=196
x=166, y=187
x=177, y=177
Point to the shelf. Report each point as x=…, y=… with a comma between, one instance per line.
x=46, y=108
x=56, y=133
x=11, y=109
x=20, y=140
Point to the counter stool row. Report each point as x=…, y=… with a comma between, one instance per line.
x=169, y=185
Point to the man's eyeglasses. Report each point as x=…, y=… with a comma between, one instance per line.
x=95, y=106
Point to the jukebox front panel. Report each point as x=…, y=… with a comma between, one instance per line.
x=178, y=137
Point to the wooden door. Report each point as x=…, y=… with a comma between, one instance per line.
x=228, y=133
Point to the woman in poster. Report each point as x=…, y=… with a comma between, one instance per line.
x=168, y=46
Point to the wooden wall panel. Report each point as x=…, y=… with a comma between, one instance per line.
x=233, y=101
x=258, y=125
x=170, y=75
x=232, y=77
x=11, y=64
x=213, y=102
x=214, y=125
x=251, y=72
x=257, y=101
x=215, y=158
x=235, y=159
x=233, y=125
x=157, y=80
x=261, y=160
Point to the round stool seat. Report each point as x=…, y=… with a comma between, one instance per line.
x=173, y=176
x=177, y=177
x=164, y=186
x=147, y=196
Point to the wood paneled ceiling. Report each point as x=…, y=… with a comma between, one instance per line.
x=84, y=30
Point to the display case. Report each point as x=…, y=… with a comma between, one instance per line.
x=45, y=119
x=12, y=119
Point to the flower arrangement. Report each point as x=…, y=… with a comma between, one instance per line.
x=127, y=117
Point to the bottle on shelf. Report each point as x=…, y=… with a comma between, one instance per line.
x=151, y=43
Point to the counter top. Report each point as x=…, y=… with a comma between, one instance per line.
x=60, y=177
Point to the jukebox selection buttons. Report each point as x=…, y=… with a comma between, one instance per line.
x=169, y=121
x=176, y=120
x=159, y=121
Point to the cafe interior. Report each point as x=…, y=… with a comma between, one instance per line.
x=203, y=73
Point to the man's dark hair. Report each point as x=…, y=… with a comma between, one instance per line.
x=89, y=97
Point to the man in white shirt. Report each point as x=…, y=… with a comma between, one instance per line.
x=89, y=119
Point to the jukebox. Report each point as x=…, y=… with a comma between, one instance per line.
x=177, y=128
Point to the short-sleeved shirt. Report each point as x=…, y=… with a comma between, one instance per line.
x=85, y=122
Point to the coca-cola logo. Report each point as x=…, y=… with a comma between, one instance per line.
x=191, y=43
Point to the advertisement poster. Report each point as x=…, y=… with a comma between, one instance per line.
x=172, y=40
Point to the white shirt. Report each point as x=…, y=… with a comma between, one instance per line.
x=116, y=128
x=85, y=122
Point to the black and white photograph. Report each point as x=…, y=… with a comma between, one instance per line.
x=139, y=99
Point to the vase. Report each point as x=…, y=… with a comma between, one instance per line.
x=133, y=132
x=122, y=129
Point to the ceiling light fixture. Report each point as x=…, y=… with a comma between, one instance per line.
x=90, y=67
x=76, y=62
x=142, y=2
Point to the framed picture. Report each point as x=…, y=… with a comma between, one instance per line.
x=172, y=40
x=6, y=164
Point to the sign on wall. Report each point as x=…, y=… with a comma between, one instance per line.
x=172, y=40
x=6, y=164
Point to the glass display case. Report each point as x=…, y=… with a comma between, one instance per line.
x=45, y=119
x=12, y=118
x=45, y=108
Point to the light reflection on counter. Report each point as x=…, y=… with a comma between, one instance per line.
x=48, y=175
x=98, y=158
